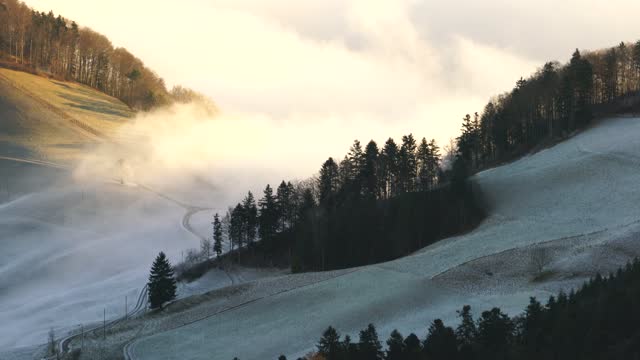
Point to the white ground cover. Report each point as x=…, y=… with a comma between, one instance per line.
x=579, y=198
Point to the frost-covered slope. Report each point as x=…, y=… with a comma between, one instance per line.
x=578, y=199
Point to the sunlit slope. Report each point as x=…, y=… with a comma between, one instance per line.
x=579, y=199
x=54, y=120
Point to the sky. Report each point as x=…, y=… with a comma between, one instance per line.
x=317, y=74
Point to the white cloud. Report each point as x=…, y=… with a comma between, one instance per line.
x=312, y=76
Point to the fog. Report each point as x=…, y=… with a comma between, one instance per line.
x=358, y=69
x=296, y=82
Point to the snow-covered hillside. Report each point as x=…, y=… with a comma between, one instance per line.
x=578, y=200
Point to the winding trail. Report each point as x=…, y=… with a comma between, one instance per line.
x=63, y=344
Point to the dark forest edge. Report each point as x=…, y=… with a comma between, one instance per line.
x=598, y=321
x=380, y=204
x=47, y=45
x=375, y=205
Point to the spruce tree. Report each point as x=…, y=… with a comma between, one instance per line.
x=369, y=346
x=412, y=347
x=424, y=161
x=389, y=163
x=408, y=165
x=268, y=218
x=161, y=287
x=369, y=173
x=395, y=346
x=441, y=343
x=433, y=166
x=217, y=235
x=329, y=345
x=283, y=202
x=250, y=221
x=237, y=228
x=328, y=182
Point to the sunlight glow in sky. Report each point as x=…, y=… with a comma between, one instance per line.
x=318, y=74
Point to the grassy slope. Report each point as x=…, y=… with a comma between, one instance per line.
x=54, y=120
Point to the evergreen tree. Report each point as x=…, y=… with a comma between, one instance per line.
x=424, y=161
x=533, y=334
x=357, y=160
x=395, y=346
x=345, y=174
x=466, y=332
x=237, y=227
x=495, y=331
x=268, y=220
x=408, y=164
x=369, y=173
x=329, y=346
x=250, y=221
x=328, y=182
x=433, y=166
x=412, y=347
x=161, y=287
x=390, y=163
x=217, y=235
x=369, y=346
x=284, y=205
x=348, y=348
x=441, y=342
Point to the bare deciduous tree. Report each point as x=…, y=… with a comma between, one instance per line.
x=539, y=259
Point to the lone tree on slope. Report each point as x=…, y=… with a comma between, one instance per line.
x=217, y=235
x=162, y=283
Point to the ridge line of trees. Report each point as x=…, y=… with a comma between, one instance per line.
x=552, y=103
x=598, y=321
x=374, y=205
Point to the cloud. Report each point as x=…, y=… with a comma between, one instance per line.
x=291, y=97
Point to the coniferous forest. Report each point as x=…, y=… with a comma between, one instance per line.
x=374, y=205
x=598, y=321
x=383, y=202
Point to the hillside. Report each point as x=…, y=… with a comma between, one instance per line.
x=577, y=207
x=54, y=120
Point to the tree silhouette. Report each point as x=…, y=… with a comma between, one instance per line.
x=162, y=283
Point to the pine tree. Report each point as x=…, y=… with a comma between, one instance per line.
x=495, y=330
x=357, y=160
x=412, y=347
x=369, y=173
x=466, y=331
x=369, y=346
x=237, y=228
x=395, y=346
x=408, y=165
x=389, y=163
x=329, y=345
x=217, y=235
x=283, y=202
x=424, y=161
x=250, y=222
x=268, y=218
x=441, y=343
x=161, y=287
x=433, y=166
x=328, y=182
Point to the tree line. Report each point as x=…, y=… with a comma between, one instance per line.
x=551, y=104
x=598, y=321
x=374, y=205
x=43, y=42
